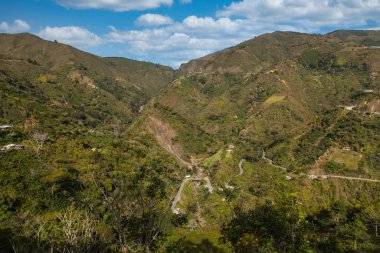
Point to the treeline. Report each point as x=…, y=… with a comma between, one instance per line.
x=286, y=227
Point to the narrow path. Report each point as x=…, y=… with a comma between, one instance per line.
x=322, y=176
x=241, y=171
x=178, y=196
x=198, y=177
x=271, y=162
x=343, y=177
x=209, y=185
x=240, y=168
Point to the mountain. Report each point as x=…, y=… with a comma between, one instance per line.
x=272, y=145
x=303, y=99
x=62, y=77
x=65, y=143
x=271, y=87
x=119, y=76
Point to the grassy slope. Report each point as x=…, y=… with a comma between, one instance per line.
x=230, y=97
x=121, y=77
x=45, y=88
x=280, y=92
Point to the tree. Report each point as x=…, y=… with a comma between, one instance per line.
x=269, y=228
x=78, y=230
x=39, y=140
x=373, y=214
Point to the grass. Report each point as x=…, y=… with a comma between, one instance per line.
x=273, y=99
x=196, y=241
x=346, y=157
x=215, y=158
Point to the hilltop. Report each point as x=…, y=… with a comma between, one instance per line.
x=146, y=77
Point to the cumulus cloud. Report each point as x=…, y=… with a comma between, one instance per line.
x=181, y=41
x=72, y=35
x=17, y=26
x=153, y=20
x=115, y=5
x=173, y=43
x=195, y=36
x=307, y=15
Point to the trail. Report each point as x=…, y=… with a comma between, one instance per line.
x=241, y=171
x=198, y=177
x=241, y=168
x=343, y=177
x=209, y=185
x=322, y=176
x=178, y=196
x=271, y=162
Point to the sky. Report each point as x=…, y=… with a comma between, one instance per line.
x=172, y=32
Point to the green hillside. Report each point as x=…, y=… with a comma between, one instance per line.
x=284, y=93
x=269, y=146
x=69, y=111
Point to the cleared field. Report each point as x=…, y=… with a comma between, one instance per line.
x=346, y=157
x=273, y=99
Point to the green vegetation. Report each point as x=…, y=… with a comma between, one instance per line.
x=91, y=175
x=273, y=99
x=285, y=227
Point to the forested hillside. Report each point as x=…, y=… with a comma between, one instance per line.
x=269, y=146
x=283, y=118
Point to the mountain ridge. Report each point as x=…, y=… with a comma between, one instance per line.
x=155, y=160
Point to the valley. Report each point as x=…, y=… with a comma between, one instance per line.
x=272, y=145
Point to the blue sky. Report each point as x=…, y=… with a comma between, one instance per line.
x=172, y=32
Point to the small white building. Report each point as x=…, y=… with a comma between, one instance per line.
x=12, y=146
x=288, y=178
x=4, y=127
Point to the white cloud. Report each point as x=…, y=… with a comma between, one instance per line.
x=18, y=26
x=306, y=15
x=179, y=42
x=196, y=36
x=185, y=1
x=153, y=20
x=72, y=35
x=224, y=25
x=174, y=43
x=115, y=5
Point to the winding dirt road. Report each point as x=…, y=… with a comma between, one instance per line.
x=240, y=168
x=209, y=185
x=271, y=162
x=241, y=171
x=343, y=177
x=178, y=196
x=198, y=177
x=321, y=176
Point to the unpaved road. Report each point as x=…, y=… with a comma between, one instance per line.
x=343, y=177
x=178, y=196
x=241, y=171
x=240, y=168
x=321, y=176
x=197, y=177
x=209, y=185
x=271, y=162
